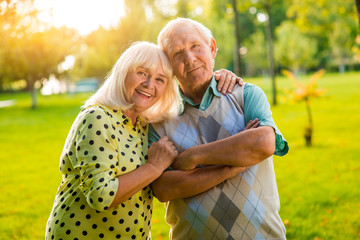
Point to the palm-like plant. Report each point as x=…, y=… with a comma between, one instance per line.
x=305, y=92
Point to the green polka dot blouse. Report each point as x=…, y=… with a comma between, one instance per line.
x=102, y=144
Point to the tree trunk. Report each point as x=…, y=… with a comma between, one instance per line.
x=357, y=2
x=33, y=98
x=309, y=128
x=270, y=51
x=1, y=84
x=32, y=90
x=237, y=58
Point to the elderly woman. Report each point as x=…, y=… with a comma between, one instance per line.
x=106, y=163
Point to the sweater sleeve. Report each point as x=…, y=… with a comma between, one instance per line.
x=96, y=158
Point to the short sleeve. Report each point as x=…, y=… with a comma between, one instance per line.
x=256, y=105
x=96, y=158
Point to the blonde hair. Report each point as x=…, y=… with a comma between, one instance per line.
x=165, y=33
x=113, y=92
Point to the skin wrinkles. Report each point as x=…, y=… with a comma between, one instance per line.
x=192, y=60
x=144, y=88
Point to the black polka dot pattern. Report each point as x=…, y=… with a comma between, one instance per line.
x=101, y=145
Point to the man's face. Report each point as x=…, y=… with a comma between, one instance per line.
x=191, y=57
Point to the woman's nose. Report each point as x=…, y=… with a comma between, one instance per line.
x=148, y=82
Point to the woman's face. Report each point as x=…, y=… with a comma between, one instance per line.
x=145, y=87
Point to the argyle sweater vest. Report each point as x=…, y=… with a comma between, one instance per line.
x=243, y=207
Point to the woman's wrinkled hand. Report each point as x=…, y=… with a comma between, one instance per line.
x=227, y=80
x=162, y=153
x=252, y=124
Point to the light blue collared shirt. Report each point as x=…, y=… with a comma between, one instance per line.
x=255, y=106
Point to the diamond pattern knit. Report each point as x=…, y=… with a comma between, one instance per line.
x=243, y=207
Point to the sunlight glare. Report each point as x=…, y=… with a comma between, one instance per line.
x=262, y=17
x=83, y=15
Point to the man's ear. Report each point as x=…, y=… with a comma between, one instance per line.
x=213, y=48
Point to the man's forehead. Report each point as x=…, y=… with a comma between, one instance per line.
x=175, y=44
x=181, y=39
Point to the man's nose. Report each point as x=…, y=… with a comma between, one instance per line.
x=189, y=57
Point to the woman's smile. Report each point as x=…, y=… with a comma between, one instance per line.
x=148, y=95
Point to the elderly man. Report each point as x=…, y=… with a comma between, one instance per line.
x=222, y=185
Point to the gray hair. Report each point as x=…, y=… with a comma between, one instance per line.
x=113, y=92
x=179, y=22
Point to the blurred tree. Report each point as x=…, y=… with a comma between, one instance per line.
x=101, y=49
x=269, y=38
x=293, y=49
x=183, y=8
x=219, y=18
x=33, y=50
x=98, y=52
x=265, y=10
x=356, y=48
x=340, y=45
x=314, y=18
x=9, y=26
x=237, y=57
x=357, y=3
x=39, y=54
x=256, y=55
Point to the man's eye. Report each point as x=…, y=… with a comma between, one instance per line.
x=176, y=55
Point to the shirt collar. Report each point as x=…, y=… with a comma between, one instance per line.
x=124, y=119
x=213, y=86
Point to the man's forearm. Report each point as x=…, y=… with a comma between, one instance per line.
x=246, y=148
x=178, y=184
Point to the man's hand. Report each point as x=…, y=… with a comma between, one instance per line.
x=226, y=80
x=184, y=161
x=236, y=170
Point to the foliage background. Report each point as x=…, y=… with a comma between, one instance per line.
x=307, y=35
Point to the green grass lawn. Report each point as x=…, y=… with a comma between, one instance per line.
x=318, y=186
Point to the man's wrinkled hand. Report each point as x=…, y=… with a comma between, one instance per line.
x=183, y=162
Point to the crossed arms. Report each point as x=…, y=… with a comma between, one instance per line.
x=225, y=159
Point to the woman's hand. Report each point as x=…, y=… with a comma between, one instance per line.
x=226, y=80
x=252, y=124
x=162, y=153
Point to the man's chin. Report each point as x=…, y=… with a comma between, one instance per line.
x=200, y=79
